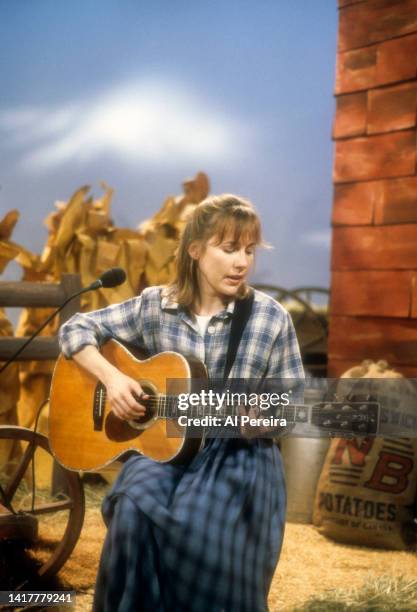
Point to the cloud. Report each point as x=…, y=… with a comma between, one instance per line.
x=143, y=121
x=318, y=238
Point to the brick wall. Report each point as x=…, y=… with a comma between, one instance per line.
x=374, y=246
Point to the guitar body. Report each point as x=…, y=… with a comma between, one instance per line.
x=83, y=432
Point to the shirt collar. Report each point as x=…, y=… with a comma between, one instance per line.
x=169, y=303
x=228, y=311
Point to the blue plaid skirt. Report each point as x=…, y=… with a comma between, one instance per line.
x=200, y=538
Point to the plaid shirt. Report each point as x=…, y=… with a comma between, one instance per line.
x=268, y=348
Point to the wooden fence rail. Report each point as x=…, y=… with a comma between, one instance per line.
x=39, y=295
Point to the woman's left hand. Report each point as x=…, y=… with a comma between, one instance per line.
x=254, y=431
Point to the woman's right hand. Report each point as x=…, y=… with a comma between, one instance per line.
x=124, y=395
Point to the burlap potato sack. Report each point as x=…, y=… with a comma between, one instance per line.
x=367, y=488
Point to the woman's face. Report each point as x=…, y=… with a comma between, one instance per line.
x=222, y=267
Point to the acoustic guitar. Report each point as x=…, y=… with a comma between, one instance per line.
x=85, y=434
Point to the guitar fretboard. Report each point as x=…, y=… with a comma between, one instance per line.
x=358, y=417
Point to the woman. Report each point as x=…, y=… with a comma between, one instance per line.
x=203, y=537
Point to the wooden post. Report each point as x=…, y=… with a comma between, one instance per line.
x=70, y=283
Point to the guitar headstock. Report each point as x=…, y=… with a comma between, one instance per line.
x=360, y=418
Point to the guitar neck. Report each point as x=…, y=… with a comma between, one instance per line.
x=355, y=417
x=168, y=407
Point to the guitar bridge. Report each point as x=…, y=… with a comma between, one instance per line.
x=100, y=396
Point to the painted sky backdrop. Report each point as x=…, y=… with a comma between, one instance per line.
x=144, y=94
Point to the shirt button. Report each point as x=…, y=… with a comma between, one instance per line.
x=211, y=329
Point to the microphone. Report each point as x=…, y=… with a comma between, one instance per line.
x=110, y=278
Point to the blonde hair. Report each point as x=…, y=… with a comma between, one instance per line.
x=214, y=216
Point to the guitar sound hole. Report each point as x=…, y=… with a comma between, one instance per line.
x=150, y=410
x=121, y=430
x=142, y=422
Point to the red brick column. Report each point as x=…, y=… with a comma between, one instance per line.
x=374, y=247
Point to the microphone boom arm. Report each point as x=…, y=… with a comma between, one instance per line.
x=109, y=278
x=44, y=324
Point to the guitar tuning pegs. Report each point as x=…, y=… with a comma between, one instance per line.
x=344, y=424
x=327, y=423
x=346, y=408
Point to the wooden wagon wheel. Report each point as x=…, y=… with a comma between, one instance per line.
x=72, y=502
x=282, y=295
x=308, y=291
x=306, y=294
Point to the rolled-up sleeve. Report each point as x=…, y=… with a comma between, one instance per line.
x=120, y=321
